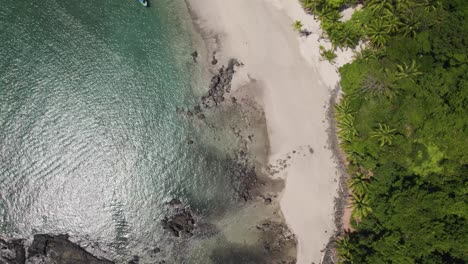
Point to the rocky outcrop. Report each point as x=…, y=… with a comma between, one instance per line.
x=12, y=252
x=180, y=222
x=58, y=249
x=46, y=249
x=244, y=177
x=220, y=84
x=194, y=56
x=277, y=240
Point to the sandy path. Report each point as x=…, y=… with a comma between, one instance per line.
x=296, y=89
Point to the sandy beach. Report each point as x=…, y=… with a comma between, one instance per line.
x=295, y=89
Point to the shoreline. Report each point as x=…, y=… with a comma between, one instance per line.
x=310, y=206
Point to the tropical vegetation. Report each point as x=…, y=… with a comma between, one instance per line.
x=403, y=126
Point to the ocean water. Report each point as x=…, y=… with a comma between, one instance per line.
x=90, y=141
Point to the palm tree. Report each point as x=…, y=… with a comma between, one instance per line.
x=392, y=22
x=403, y=5
x=378, y=6
x=384, y=134
x=297, y=25
x=343, y=108
x=352, y=155
x=378, y=33
x=328, y=54
x=431, y=5
x=346, y=37
x=344, y=249
x=311, y=6
x=359, y=183
x=410, y=25
x=346, y=132
x=361, y=206
x=367, y=53
x=407, y=71
x=330, y=14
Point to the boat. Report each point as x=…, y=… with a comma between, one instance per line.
x=143, y=2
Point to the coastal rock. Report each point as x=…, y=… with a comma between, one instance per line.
x=180, y=222
x=304, y=33
x=58, y=249
x=194, y=56
x=155, y=250
x=244, y=177
x=214, y=61
x=174, y=202
x=220, y=84
x=12, y=252
x=277, y=236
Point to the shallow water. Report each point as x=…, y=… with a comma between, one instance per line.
x=90, y=142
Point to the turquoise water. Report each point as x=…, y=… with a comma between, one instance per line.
x=90, y=142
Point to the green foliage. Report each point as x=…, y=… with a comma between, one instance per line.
x=407, y=71
x=297, y=25
x=378, y=33
x=328, y=54
x=361, y=206
x=336, y=3
x=345, y=34
x=359, y=183
x=426, y=160
x=384, y=135
x=403, y=116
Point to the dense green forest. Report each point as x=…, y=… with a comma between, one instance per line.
x=403, y=126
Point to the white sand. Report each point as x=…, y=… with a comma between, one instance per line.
x=296, y=88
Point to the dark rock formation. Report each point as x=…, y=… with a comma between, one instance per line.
x=12, y=252
x=305, y=33
x=180, y=222
x=155, y=250
x=194, y=56
x=277, y=237
x=244, y=177
x=134, y=260
x=219, y=85
x=46, y=249
x=58, y=249
x=214, y=61
x=174, y=202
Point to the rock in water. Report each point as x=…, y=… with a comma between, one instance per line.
x=180, y=221
x=220, y=84
x=180, y=224
x=58, y=249
x=12, y=252
x=194, y=56
x=214, y=61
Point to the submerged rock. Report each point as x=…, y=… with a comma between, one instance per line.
x=194, y=56
x=134, y=260
x=244, y=177
x=214, y=61
x=180, y=222
x=12, y=252
x=46, y=249
x=220, y=84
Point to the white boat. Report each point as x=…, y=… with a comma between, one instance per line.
x=143, y=2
